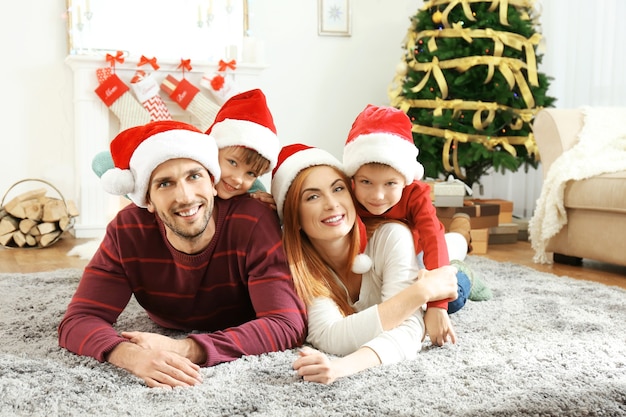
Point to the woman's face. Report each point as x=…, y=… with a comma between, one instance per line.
x=326, y=211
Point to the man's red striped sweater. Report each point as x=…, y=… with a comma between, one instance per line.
x=237, y=295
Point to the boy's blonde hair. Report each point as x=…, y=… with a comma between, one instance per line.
x=258, y=163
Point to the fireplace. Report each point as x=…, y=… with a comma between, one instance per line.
x=95, y=126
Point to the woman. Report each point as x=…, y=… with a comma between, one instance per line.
x=365, y=307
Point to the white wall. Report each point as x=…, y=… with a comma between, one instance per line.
x=36, y=130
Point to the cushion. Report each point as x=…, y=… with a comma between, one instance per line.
x=605, y=192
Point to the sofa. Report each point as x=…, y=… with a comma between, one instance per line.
x=593, y=196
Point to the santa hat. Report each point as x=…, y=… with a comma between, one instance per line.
x=382, y=135
x=295, y=158
x=244, y=120
x=139, y=150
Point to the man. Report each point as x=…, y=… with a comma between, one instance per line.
x=194, y=263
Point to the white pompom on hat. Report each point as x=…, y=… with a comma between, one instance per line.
x=137, y=151
x=382, y=135
x=295, y=158
x=245, y=120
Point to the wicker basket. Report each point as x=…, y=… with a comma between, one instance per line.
x=26, y=215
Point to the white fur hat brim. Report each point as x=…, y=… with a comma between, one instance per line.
x=234, y=132
x=386, y=149
x=153, y=151
x=289, y=169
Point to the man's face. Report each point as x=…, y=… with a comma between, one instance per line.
x=181, y=193
x=378, y=187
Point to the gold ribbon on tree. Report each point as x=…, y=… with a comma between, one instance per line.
x=431, y=68
x=510, y=68
x=467, y=10
x=500, y=39
x=452, y=138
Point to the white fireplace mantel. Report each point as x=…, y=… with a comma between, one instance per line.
x=95, y=126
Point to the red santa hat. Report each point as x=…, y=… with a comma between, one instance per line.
x=244, y=120
x=139, y=150
x=295, y=158
x=382, y=135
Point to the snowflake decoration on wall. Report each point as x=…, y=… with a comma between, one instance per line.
x=335, y=12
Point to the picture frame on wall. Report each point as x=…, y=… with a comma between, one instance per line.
x=334, y=18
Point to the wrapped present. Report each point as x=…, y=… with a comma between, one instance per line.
x=182, y=92
x=111, y=89
x=503, y=233
x=506, y=208
x=480, y=241
x=449, y=193
x=482, y=215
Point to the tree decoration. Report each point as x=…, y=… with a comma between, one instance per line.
x=472, y=87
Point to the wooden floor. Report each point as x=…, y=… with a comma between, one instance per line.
x=55, y=257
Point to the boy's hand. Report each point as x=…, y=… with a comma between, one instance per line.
x=264, y=197
x=439, y=327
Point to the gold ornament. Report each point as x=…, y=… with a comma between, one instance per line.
x=437, y=17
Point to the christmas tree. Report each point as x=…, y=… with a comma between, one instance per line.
x=469, y=82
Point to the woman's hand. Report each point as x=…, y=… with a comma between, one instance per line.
x=314, y=366
x=440, y=283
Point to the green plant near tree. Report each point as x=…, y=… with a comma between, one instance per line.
x=469, y=82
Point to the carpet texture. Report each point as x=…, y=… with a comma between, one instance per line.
x=542, y=346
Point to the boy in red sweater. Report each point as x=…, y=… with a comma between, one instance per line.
x=381, y=158
x=214, y=269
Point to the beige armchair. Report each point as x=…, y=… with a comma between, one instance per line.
x=595, y=206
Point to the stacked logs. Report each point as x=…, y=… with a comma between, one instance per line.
x=33, y=219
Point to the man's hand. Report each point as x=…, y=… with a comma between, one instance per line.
x=157, y=367
x=439, y=327
x=186, y=348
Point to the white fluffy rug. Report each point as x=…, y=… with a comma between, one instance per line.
x=85, y=250
x=542, y=346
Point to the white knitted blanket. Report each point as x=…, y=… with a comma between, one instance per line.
x=601, y=149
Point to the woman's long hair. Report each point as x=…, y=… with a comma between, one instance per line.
x=312, y=276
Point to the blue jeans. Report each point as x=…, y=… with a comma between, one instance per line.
x=464, y=287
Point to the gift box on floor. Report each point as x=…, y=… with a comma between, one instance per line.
x=447, y=193
x=522, y=229
x=480, y=241
x=503, y=233
x=482, y=215
x=506, y=208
